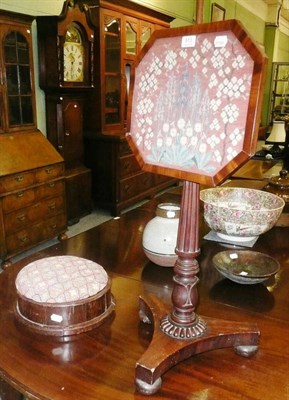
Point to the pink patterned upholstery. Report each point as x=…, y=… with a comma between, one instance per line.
x=60, y=279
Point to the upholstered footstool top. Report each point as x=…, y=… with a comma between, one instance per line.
x=61, y=279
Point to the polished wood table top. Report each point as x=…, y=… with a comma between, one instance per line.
x=100, y=364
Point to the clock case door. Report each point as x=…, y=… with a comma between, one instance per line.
x=65, y=101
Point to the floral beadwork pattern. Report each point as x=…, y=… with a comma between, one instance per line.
x=240, y=211
x=190, y=104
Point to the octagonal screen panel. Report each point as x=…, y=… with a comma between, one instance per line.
x=195, y=105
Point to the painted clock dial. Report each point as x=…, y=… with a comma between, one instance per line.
x=73, y=57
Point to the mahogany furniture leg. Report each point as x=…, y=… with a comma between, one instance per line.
x=180, y=333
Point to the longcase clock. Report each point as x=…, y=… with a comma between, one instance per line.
x=66, y=75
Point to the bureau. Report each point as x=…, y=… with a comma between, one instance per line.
x=32, y=193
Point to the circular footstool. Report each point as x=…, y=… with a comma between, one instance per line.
x=63, y=295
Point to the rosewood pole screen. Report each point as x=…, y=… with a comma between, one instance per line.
x=194, y=102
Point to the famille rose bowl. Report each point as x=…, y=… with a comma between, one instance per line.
x=240, y=214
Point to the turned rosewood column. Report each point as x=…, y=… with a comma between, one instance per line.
x=182, y=322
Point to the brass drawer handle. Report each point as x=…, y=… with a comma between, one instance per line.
x=21, y=217
x=48, y=170
x=19, y=178
x=20, y=194
x=54, y=226
x=23, y=239
x=51, y=184
x=51, y=206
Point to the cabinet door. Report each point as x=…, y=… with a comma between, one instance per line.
x=279, y=97
x=131, y=42
x=131, y=34
x=111, y=102
x=17, y=90
x=122, y=37
x=136, y=34
x=70, y=129
x=146, y=29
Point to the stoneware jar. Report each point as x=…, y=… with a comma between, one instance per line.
x=160, y=235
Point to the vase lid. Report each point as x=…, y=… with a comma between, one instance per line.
x=281, y=181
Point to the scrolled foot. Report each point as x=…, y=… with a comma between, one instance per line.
x=6, y=264
x=246, y=351
x=62, y=236
x=147, y=388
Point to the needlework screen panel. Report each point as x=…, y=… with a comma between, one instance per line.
x=190, y=104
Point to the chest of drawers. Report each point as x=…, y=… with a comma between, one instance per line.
x=117, y=179
x=32, y=194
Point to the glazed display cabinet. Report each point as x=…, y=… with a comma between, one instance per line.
x=121, y=29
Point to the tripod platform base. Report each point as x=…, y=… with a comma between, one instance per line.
x=165, y=351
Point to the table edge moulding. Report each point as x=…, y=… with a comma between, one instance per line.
x=194, y=115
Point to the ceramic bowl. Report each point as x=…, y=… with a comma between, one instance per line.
x=240, y=214
x=245, y=266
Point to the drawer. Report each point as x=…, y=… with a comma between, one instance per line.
x=20, y=219
x=35, y=234
x=135, y=185
x=51, y=207
x=22, y=239
x=28, y=216
x=128, y=165
x=20, y=199
x=124, y=148
x=49, y=172
x=15, y=182
x=50, y=189
x=53, y=226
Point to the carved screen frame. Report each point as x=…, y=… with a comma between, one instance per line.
x=199, y=88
